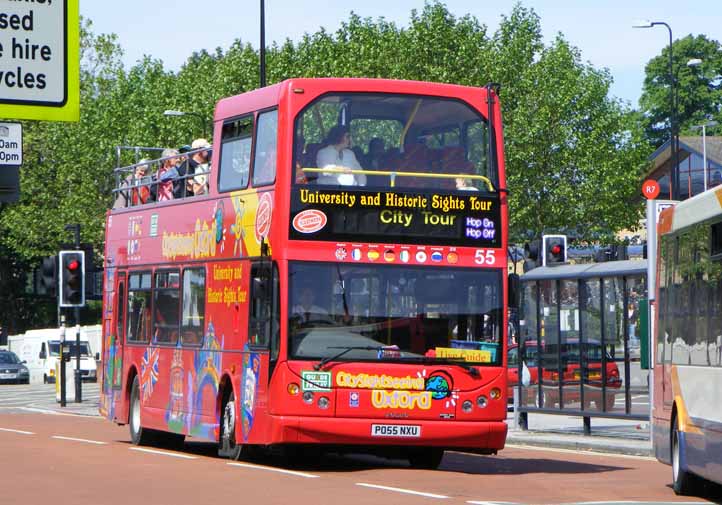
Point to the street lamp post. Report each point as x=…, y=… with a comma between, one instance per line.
x=703, y=127
x=673, y=108
x=696, y=62
x=179, y=113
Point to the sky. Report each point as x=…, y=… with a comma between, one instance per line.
x=171, y=30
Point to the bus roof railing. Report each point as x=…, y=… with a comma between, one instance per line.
x=587, y=270
x=123, y=185
x=392, y=174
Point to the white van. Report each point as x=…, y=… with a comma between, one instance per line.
x=41, y=350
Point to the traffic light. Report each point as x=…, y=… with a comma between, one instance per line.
x=72, y=278
x=555, y=250
x=49, y=275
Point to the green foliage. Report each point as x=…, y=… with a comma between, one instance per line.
x=573, y=154
x=698, y=89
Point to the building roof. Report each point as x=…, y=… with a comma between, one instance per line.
x=688, y=145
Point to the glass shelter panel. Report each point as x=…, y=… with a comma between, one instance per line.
x=550, y=355
x=590, y=357
x=569, y=344
x=638, y=378
x=528, y=343
x=611, y=365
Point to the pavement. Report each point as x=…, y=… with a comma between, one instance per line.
x=615, y=436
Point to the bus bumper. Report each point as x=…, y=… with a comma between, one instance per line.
x=488, y=435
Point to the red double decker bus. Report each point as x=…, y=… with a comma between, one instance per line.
x=348, y=306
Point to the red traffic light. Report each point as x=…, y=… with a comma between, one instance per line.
x=73, y=265
x=556, y=249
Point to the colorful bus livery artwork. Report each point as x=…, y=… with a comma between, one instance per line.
x=286, y=307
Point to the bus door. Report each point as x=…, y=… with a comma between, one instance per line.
x=261, y=352
x=114, y=347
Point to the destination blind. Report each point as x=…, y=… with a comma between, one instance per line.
x=471, y=220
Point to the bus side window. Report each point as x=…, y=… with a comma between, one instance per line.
x=263, y=316
x=194, y=306
x=264, y=167
x=235, y=162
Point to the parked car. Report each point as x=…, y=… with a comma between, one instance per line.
x=572, y=373
x=12, y=369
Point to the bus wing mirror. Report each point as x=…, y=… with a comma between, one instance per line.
x=42, y=354
x=514, y=287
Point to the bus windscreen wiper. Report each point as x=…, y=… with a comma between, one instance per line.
x=346, y=349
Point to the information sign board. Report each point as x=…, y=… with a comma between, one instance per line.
x=11, y=144
x=39, y=60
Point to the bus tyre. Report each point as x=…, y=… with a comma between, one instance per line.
x=138, y=434
x=426, y=458
x=227, y=446
x=683, y=482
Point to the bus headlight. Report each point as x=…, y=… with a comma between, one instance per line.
x=467, y=406
x=482, y=402
x=323, y=402
x=308, y=397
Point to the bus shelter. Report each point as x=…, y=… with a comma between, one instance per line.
x=579, y=342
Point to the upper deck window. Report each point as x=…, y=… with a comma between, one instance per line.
x=264, y=164
x=235, y=165
x=384, y=140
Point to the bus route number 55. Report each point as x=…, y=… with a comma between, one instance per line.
x=484, y=257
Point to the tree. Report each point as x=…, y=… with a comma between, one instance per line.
x=573, y=154
x=698, y=89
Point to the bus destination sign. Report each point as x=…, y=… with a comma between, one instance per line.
x=470, y=220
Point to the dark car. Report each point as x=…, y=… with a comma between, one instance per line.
x=12, y=369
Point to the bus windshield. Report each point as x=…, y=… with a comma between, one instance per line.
x=400, y=313
x=403, y=141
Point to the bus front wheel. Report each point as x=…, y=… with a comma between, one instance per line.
x=227, y=446
x=683, y=481
x=138, y=434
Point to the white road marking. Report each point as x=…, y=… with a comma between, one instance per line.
x=581, y=452
x=628, y=502
x=55, y=413
x=473, y=502
x=59, y=437
x=162, y=453
x=401, y=490
x=272, y=469
x=18, y=431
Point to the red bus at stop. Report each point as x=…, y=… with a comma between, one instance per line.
x=300, y=302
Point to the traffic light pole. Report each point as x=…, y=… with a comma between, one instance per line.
x=76, y=312
x=61, y=376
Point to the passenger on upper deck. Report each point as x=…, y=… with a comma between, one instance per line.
x=375, y=154
x=198, y=163
x=139, y=194
x=167, y=174
x=182, y=184
x=337, y=154
x=200, y=184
